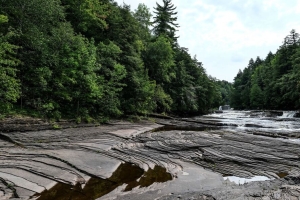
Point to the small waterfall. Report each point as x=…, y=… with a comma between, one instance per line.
x=288, y=114
x=220, y=108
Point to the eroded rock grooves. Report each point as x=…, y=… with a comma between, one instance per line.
x=168, y=159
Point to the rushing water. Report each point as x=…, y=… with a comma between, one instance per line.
x=288, y=114
x=283, y=123
x=256, y=119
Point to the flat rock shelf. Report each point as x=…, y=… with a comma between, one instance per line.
x=229, y=155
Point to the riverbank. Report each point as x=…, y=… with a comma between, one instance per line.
x=163, y=158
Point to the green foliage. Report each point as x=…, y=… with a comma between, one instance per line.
x=159, y=60
x=56, y=126
x=73, y=81
x=183, y=89
x=3, y=19
x=9, y=84
x=143, y=15
x=113, y=73
x=256, y=97
x=162, y=99
x=87, y=16
x=137, y=95
x=90, y=59
x=272, y=83
x=225, y=88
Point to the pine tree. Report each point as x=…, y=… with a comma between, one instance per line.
x=165, y=20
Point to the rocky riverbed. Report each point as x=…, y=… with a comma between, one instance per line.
x=229, y=155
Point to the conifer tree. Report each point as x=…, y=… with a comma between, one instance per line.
x=165, y=20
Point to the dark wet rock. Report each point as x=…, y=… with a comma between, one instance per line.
x=208, y=122
x=297, y=115
x=256, y=113
x=159, y=116
x=253, y=125
x=273, y=113
x=218, y=111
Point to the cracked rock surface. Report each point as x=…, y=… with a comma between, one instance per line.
x=169, y=159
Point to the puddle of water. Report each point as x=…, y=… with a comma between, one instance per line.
x=97, y=187
x=239, y=180
x=282, y=174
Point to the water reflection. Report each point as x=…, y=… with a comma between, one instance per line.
x=156, y=175
x=96, y=187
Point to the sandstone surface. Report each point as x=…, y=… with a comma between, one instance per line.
x=187, y=158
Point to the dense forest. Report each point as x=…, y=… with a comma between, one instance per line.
x=272, y=83
x=95, y=58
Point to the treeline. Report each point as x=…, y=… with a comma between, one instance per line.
x=272, y=83
x=225, y=89
x=82, y=58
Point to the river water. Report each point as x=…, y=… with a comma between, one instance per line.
x=285, y=127
x=257, y=120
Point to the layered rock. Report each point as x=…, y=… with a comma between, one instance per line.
x=171, y=158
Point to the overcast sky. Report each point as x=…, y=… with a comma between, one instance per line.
x=225, y=34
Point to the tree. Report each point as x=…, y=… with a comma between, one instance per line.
x=159, y=60
x=225, y=88
x=88, y=17
x=113, y=73
x=274, y=82
x=33, y=20
x=256, y=97
x=183, y=88
x=74, y=86
x=165, y=20
x=81, y=58
x=137, y=95
x=296, y=79
x=9, y=84
x=236, y=100
x=143, y=15
x=292, y=39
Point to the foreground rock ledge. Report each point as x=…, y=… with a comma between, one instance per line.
x=35, y=161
